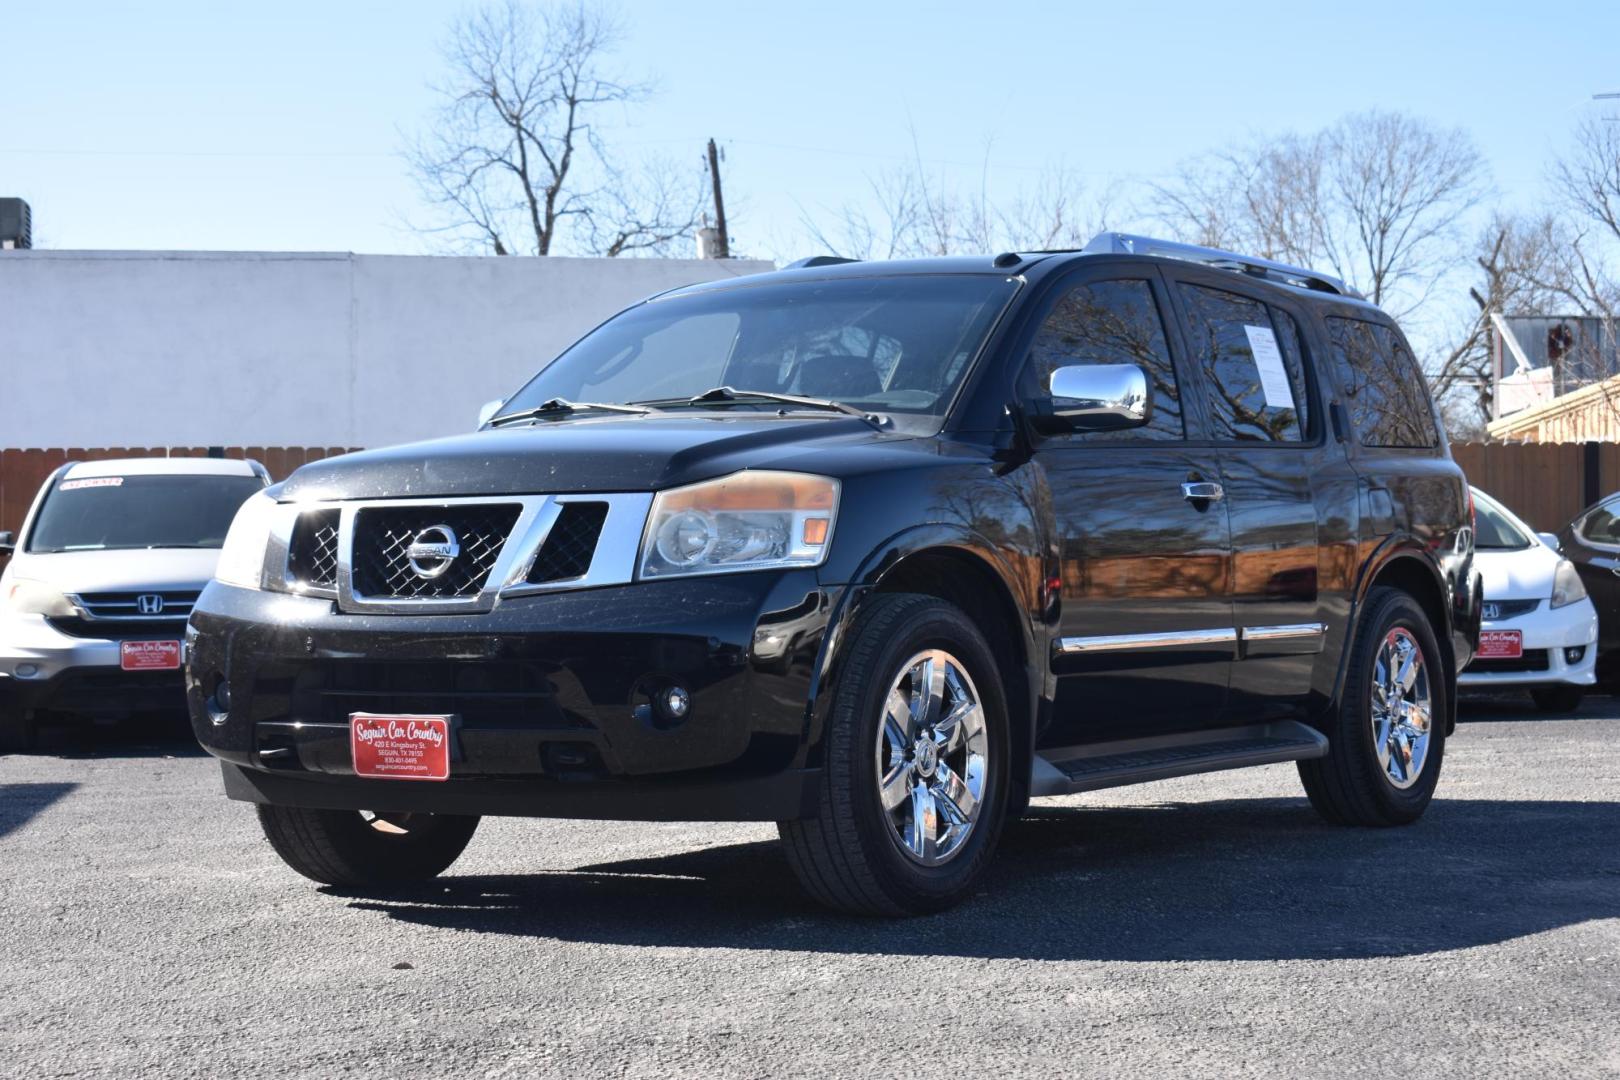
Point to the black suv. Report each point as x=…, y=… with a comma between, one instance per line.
x=876, y=551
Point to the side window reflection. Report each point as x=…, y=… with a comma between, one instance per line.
x=1109, y=322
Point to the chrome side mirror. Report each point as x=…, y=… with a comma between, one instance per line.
x=487, y=411
x=1100, y=397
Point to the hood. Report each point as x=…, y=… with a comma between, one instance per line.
x=1518, y=575
x=155, y=569
x=609, y=453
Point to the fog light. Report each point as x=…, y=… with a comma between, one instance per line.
x=1574, y=654
x=27, y=671
x=219, y=704
x=675, y=702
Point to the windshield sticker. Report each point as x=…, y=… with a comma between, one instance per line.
x=94, y=482
x=1273, y=376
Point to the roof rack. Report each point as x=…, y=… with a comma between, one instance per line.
x=1111, y=243
x=818, y=260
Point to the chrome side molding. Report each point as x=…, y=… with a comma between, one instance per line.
x=1182, y=639
x=1280, y=633
x=1129, y=642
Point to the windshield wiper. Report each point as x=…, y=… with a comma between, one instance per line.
x=562, y=407
x=724, y=395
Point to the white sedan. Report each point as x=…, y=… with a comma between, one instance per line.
x=1539, y=630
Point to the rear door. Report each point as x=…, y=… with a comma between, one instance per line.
x=1283, y=479
x=1145, y=620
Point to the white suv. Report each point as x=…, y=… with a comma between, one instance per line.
x=93, y=605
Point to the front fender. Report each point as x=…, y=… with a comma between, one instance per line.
x=957, y=541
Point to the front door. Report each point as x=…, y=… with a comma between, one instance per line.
x=1145, y=630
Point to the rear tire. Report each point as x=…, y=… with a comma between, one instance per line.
x=356, y=850
x=1557, y=699
x=899, y=827
x=1368, y=777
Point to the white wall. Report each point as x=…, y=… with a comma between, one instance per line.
x=260, y=349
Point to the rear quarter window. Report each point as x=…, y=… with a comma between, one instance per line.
x=1381, y=385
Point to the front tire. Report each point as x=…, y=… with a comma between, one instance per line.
x=1557, y=699
x=352, y=849
x=1388, y=738
x=914, y=778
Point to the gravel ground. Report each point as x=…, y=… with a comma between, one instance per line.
x=1209, y=925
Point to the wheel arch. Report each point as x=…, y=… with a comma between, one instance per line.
x=964, y=569
x=1407, y=567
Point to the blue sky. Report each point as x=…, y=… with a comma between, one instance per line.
x=277, y=126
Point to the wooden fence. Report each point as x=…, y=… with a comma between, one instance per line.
x=1546, y=484
x=23, y=471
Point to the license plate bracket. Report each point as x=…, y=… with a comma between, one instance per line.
x=149, y=655
x=400, y=746
x=1501, y=644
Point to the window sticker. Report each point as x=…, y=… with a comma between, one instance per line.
x=93, y=482
x=1273, y=376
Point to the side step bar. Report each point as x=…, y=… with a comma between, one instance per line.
x=1066, y=770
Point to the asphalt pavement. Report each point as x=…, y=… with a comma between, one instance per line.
x=1204, y=926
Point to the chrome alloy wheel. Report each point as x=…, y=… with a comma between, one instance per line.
x=932, y=757
x=1402, y=716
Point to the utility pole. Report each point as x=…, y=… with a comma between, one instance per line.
x=722, y=247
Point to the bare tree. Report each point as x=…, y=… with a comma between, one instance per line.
x=1587, y=181
x=1510, y=255
x=915, y=211
x=1378, y=198
x=1589, y=177
x=513, y=160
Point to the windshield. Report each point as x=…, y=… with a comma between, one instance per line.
x=882, y=344
x=106, y=513
x=1494, y=530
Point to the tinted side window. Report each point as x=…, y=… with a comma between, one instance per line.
x=1382, y=385
x=1250, y=364
x=1602, y=525
x=1109, y=322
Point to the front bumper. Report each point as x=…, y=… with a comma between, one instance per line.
x=1547, y=633
x=553, y=698
x=46, y=668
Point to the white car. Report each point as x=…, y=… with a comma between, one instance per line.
x=93, y=604
x=1539, y=630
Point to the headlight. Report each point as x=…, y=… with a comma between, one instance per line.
x=746, y=521
x=38, y=598
x=1567, y=587
x=241, y=560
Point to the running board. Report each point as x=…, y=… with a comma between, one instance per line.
x=1066, y=770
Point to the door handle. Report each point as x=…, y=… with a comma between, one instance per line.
x=1202, y=491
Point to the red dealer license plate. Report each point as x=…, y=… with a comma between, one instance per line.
x=149, y=655
x=400, y=747
x=1500, y=644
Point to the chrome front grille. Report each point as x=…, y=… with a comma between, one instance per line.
x=383, y=566
x=571, y=543
x=144, y=604
x=455, y=555
x=312, y=557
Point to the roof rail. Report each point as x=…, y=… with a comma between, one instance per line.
x=818, y=260
x=1111, y=243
